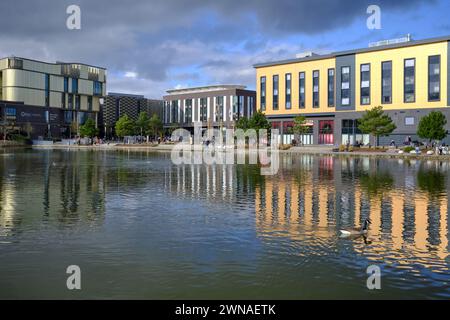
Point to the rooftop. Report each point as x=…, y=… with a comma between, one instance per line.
x=53, y=63
x=349, y=52
x=218, y=87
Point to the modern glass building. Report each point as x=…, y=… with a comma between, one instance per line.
x=49, y=100
x=407, y=78
x=217, y=106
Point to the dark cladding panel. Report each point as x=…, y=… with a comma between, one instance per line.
x=345, y=61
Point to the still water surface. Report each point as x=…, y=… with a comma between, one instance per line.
x=141, y=227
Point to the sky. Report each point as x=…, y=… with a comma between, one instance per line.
x=152, y=46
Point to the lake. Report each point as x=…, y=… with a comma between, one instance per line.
x=140, y=227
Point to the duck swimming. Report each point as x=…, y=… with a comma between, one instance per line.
x=357, y=232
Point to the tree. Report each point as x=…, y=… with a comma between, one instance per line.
x=88, y=129
x=376, y=123
x=155, y=125
x=432, y=126
x=242, y=123
x=259, y=121
x=300, y=127
x=143, y=123
x=124, y=126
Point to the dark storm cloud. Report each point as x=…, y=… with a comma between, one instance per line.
x=151, y=37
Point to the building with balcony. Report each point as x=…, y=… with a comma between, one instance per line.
x=216, y=106
x=407, y=78
x=49, y=100
x=116, y=105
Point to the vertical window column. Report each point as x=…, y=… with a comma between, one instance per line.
x=434, y=78
x=365, y=84
x=316, y=89
x=386, y=75
x=345, y=86
x=410, y=81
x=301, y=85
x=275, y=92
x=262, y=97
x=288, y=91
x=331, y=88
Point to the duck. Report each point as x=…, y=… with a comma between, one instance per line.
x=357, y=232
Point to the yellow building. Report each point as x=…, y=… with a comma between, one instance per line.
x=407, y=78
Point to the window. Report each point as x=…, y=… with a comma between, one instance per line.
x=70, y=101
x=10, y=113
x=15, y=63
x=240, y=107
x=275, y=92
x=203, y=109
x=174, y=112
x=365, y=84
x=188, y=111
x=74, y=85
x=410, y=80
x=315, y=89
x=331, y=87
x=47, y=90
x=89, y=103
x=345, y=86
x=288, y=91
x=301, y=85
x=77, y=102
x=66, y=84
x=409, y=121
x=263, y=93
x=98, y=88
x=434, y=78
x=219, y=108
x=63, y=100
x=386, y=75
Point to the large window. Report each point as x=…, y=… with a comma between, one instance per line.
x=47, y=90
x=315, y=89
x=188, y=111
x=74, y=85
x=174, y=112
x=275, y=92
x=288, y=82
x=89, y=103
x=70, y=101
x=345, y=86
x=263, y=94
x=66, y=84
x=203, y=109
x=10, y=113
x=410, y=80
x=97, y=88
x=219, y=109
x=331, y=87
x=63, y=100
x=386, y=75
x=434, y=78
x=365, y=84
x=301, y=85
x=77, y=102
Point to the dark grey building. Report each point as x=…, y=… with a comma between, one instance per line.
x=115, y=105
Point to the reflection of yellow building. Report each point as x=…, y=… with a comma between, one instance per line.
x=309, y=213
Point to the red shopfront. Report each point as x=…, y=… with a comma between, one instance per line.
x=326, y=132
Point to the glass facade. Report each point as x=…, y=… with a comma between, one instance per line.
x=275, y=92
x=301, y=84
x=351, y=133
x=345, y=86
x=331, y=88
x=386, y=75
x=316, y=89
x=365, y=84
x=203, y=109
x=188, y=111
x=410, y=80
x=434, y=78
x=288, y=82
x=263, y=93
x=47, y=90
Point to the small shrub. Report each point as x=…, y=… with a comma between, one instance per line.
x=408, y=149
x=350, y=149
x=341, y=148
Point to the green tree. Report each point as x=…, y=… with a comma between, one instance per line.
x=259, y=121
x=88, y=129
x=242, y=123
x=155, y=125
x=125, y=126
x=300, y=127
x=143, y=123
x=376, y=123
x=432, y=126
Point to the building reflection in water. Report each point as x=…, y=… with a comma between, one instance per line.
x=61, y=188
x=313, y=197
